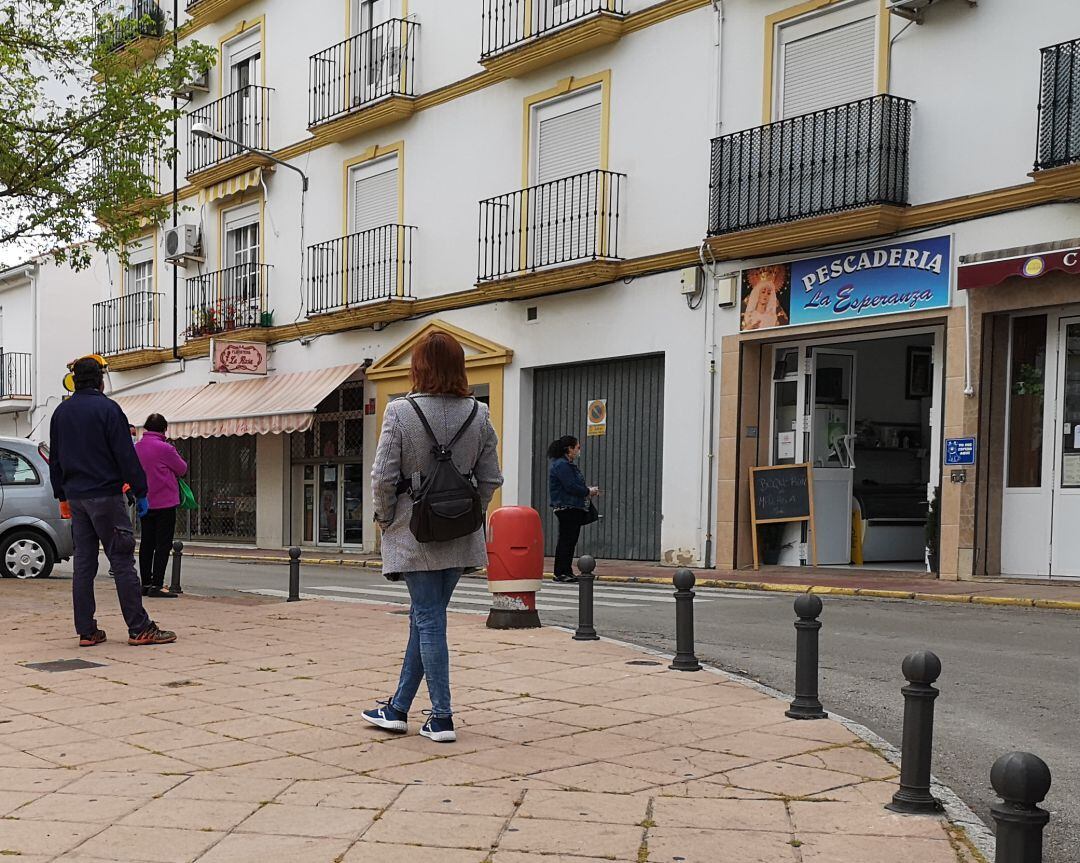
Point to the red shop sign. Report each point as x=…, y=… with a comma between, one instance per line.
x=238, y=358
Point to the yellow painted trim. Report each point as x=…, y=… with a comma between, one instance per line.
x=564, y=87
x=785, y=16
x=241, y=28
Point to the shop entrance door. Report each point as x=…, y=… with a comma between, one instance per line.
x=339, y=505
x=831, y=423
x=1064, y=537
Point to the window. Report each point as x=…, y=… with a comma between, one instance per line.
x=242, y=279
x=16, y=470
x=139, y=275
x=244, y=59
x=243, y=109
x=827, y=60
x=373, y=196
x=566, y=136
x=1027, y=375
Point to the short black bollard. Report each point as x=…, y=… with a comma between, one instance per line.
x=806, y=704
x=914, y=798
x=177, y=559
x=294, y=574
x=585, y=630
x=684, y=623
x=1021, y=780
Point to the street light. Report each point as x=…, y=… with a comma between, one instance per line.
x=203, y=130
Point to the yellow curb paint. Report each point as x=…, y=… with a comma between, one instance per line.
x=787, y=588
x=884, y=594
x=943, y=597
x=1064, y=605
x=1003, y=600
x=826, y=590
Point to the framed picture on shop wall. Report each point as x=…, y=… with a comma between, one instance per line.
x=919, y=383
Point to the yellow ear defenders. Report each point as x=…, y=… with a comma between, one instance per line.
x=69, y=378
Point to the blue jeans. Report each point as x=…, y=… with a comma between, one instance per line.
x=427, y=655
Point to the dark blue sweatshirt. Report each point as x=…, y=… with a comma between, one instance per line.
x=90, y=449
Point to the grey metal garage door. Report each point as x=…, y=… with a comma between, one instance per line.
x=625, y=462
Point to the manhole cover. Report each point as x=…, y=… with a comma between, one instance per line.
x=63, y=665
x=643, y=662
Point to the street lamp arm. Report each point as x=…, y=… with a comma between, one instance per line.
x=203, y=130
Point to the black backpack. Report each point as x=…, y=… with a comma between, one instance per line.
x=447, y=504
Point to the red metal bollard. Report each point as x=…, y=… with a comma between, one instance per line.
x=515, y=567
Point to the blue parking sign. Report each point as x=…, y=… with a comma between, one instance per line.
x=959, y=450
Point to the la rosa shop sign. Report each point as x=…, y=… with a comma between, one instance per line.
x=239, y=358
x=883, y=280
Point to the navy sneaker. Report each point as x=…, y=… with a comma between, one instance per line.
x=388, y=717
x=440, y=729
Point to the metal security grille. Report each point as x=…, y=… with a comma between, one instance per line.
x=127, y=323
x=221, y=473
x=14, y=375
x=338, y=430
x=1059, y=106
x=509, y=23
x=371, y=65
x=626, y=462
x=853, y=155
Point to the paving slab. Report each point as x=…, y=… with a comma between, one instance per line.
x=243, y=742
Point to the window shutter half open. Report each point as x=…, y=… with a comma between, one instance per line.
x=375, y=199
x=569, y=144
x=830, y=68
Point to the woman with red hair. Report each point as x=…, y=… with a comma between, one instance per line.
x=441, y=399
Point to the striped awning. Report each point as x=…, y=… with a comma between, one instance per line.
x=232, y=186
x=276, y=404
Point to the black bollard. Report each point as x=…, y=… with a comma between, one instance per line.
x=914, y=798
x=1021, y=780
x=806, y=704
x=585, y=630
x=684, y=623
x=177, y=559
x=294, y=574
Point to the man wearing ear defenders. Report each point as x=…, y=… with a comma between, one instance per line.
x=91, y=459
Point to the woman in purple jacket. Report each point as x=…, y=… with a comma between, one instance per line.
x=163, y=466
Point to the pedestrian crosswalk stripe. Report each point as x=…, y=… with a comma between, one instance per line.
x=471, y=596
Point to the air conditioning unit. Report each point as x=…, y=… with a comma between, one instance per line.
x=199, y=85
x=913, y=9
x=182, y=242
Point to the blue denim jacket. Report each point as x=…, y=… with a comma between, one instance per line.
x=566, y=485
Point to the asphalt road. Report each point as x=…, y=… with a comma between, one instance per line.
x=1010, y=679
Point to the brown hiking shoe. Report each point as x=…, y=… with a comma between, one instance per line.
x=153, y=635
x=90, y=640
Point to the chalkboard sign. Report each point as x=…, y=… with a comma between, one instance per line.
x=780, y=494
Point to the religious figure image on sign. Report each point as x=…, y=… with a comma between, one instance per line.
x=766, y=297
x=596, y=417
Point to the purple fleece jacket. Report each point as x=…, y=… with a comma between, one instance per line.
x=163, y=465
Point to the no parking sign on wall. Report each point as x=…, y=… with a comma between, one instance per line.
x=596, y=417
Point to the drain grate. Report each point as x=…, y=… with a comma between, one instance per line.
x=63, y=665
x=643, y=662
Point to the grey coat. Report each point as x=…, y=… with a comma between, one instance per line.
x=404, y=451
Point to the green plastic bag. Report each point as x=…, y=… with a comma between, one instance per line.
x=187, y=498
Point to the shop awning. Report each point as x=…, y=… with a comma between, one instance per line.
x=276, y=404
x=232, y=186
x=987, y=269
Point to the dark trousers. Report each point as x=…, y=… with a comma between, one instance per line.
x=158, y=530
x=104, y=520
x=569, y=529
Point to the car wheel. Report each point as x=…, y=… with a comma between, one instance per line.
x=27, y=554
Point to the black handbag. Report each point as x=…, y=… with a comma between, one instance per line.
x=591, y=514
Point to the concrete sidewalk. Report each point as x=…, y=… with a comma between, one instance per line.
x=243, y=742
x=856, y=582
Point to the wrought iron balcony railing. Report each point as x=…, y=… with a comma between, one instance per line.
x=229, y=299
x=371, y=65
x=840, y=158
x=14, y=375
x=243, y=116
x=510, y=23
x=118, y=22
x=568, y=220
x=127, y=323
x=361, y=268
x=1059, y=106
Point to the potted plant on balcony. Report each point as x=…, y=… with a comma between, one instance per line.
x=266, y=319
x=230, y=317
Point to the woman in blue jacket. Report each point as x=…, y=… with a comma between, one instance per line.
x=569, y=499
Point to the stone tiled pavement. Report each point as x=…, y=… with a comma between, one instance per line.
x=243, y=742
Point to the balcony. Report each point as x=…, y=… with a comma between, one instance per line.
x=243, y=116
x=522, y=35
x=361, y=269
x=126, y=162
x=227, y=300
x=127, y=324
x=852, y=157
x=364, y=82
x=545, y=229
x=120, y=23
x=14, y=375
x=1059, y=107
x=205, y=12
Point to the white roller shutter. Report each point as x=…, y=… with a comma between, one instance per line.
x=375, y=197
x=829, y=68
x=568, y=144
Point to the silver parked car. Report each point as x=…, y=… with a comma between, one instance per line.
x=33, y=536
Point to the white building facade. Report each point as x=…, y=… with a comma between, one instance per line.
x=588, y=194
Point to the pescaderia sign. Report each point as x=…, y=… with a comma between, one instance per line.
x=881, y=280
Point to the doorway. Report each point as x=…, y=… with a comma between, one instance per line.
x=862, y=413
x=1041, y=498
